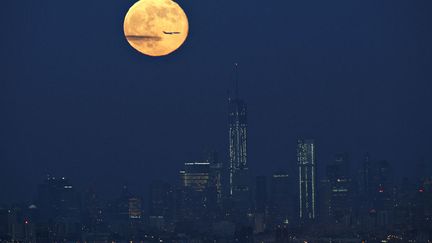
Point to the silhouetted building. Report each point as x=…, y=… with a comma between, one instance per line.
x=424, y=206
x=162, y=205
x=281, y=199
x=324, y=196
x=4, y=224
x=307, y=179
x=338, y=175
x=365, y=177
x=17, y=224
x=261, y=194
x=161, y=202
x=59, y=207
x=121, y=205
x=401, y=213
x=261, y=201
x=364, y=195
x=92, y=213
x=376, y=193
x=382, y=191
x=57, y=197
x=124, y=215
x=381, y=183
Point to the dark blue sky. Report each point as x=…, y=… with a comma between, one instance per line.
x=77, y=100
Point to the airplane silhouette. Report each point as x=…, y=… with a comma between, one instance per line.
x=171, y=33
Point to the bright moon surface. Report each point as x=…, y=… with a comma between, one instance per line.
x=156, y=27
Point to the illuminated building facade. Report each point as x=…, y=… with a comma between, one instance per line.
x=195, y=176
x=216, y=174
x=135, y=208
x=197, y=195
x=307, y=179
x=237, y=117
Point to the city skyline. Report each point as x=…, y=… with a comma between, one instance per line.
x=224, y=202
x=237, y=120
x=215, y=121
x=368, y=204
x=354, y=76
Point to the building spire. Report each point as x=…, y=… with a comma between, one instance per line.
x=236, y=91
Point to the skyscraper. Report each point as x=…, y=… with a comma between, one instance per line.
x=161, y=204
x=135, y=210
x=237, y=116
x=197, y=194
x=216, y=175
x=281, y=203
x=261, y=194
x=338, y=175
x=195, y=176
x=307, y=179
x=59, y=206
x=56, y=197
x=161, y=200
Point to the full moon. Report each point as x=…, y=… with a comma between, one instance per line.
x=156, y=27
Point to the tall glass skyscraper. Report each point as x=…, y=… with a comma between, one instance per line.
x=307, y=179
x=237, y=116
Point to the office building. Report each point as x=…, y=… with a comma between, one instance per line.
x=338, y=175
x=238, y=170
x=307, y=179
x=282, y=201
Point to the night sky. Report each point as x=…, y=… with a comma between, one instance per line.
x=77, y=101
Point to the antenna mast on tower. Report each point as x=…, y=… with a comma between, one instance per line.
x=236, y=91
